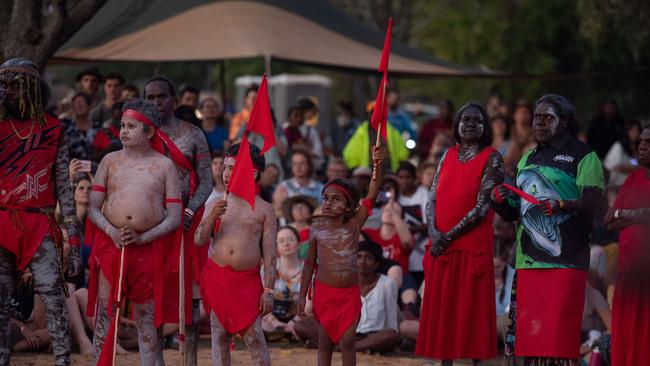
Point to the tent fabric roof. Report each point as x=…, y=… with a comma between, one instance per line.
x=309, y=32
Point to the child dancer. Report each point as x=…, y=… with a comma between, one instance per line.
x=334, y=241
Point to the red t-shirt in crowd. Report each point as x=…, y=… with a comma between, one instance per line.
x=392, y=247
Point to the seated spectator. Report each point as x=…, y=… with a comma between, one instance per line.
x=28, y=328
x=113, y=83
x=503, y=275
x=296, y=210
x=426, y=173
x=621, y=159
x=362, y=175
x=500, y=133
x=413, y=199
x=189, y=96
x=393, y=236
x=79, y=129
x=377, y=328
x=597, y=315
x=287, y=285
x=344, y=128
x=268, y=181
x=435, y=127
x=107, y=138
x=298, y=135
x=301, y=182
x=336, y=169
x=129, y=92
x=441, y=142
x=213, y=124
x=398, y=117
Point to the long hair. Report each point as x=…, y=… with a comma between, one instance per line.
x=34, y=94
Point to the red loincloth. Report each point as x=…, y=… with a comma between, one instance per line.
x=336, y=308
x=631, y=306
x=550, y=303
x=22, y=234
x=142, y=273
x=233, y=296
x=458, y=309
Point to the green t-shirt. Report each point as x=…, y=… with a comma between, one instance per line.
x=559, y=171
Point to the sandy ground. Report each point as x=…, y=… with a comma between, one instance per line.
x=281, y=354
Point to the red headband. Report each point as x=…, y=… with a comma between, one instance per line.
x=340, y=188
x=138, y=116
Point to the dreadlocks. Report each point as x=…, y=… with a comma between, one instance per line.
x=33, y=94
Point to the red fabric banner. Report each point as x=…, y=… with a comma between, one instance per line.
x=385, y=53
x=260, y=120
x=242, y=180
x=380, y=113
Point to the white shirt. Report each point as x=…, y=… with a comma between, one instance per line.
x=616, y=156
x=379, y=307
x=417, y=254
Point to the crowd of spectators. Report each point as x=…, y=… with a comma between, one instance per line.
x=392, y=245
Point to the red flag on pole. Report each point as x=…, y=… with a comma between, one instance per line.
x=380, y=112
x=260, y=120
x=383, y=64
x=242, y=180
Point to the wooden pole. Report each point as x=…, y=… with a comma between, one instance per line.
x=181, y=301
x=119, y=302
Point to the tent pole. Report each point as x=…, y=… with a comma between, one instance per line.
x=267, y=65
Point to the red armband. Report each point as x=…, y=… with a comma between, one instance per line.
x=74, y=241
x=368, y=205
x=173, y=200
x=98, y=188
x=498, y=197
x=201, y=156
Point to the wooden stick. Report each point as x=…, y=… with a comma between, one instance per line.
x=119, y=302
x=181, y=302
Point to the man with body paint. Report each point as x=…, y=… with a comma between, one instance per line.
x=188, y=149
x=232, y=290
x=135, y=205
x=458, y=307
x=559, y=187
x=33, y=176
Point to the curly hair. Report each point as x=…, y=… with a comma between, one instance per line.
x=256, y=155
x=34, y=95
x=147, y=108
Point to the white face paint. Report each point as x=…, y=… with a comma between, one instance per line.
x=480, y=127
x=555, y=123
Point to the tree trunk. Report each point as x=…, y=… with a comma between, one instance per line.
x=37, y=28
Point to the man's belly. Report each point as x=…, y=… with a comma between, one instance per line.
x=240, y=256
x=138, y=217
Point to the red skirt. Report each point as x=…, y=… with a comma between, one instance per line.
x=631, y=322
x=458, y=318
x=550, y=303
x=233, y=296
x=336, y=308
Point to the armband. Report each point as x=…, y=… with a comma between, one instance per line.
x=498, y=197
x=173, y=200
x=367, y=203
x=98, y=188
x=269, y=290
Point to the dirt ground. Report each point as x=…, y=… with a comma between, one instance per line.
x=281, y=354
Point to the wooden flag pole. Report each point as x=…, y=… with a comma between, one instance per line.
x=119, y=302
x=181, y=302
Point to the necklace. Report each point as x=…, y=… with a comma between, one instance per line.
x=31, y=129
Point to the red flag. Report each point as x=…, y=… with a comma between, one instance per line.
x=260, y=120
x=107, y=352
x=380, y=113
x=385, y=53
x=242, y=180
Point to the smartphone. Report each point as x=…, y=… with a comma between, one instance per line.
x=86, y=166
